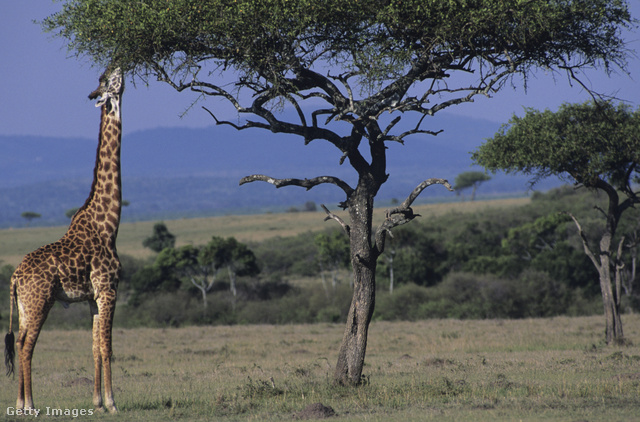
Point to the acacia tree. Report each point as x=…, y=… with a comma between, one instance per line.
x=30, y=215
x=596, y=145
x=470, y=179
x=161, y=238
x=339, y=65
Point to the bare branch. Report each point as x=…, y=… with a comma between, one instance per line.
x=416, y=192
x=585, y=241
x=404, y=213
x=332, y=216
x=304, y=183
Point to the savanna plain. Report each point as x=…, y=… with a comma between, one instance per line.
x=442, y=370
x=553, y=369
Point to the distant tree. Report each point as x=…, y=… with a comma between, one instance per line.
x=71, y=212
x=596, y=145
x=188, y=262
x=346, y=68
x=160, y=239
x=333, y=254
x=201, y=264
x=236, y=257
x=30, y=215
x=470, y=179
x=310, y=206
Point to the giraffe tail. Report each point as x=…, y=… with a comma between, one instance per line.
x=10, y=339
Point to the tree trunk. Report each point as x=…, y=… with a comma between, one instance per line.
x=613, y=331
x=363, y=260
x=354, y=341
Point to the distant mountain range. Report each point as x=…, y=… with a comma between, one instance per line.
x=177, y=173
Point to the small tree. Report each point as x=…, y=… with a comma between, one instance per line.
x=593, y=145
x=160, y=239
x=236, y=257
x=470, y=179
x=333, y=254
x=30, y=215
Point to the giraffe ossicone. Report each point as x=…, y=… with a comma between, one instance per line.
x=82, y=266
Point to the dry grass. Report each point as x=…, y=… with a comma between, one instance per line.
x=15, y=243
x=444, y=370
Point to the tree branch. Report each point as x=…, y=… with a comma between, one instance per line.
x=332, y=216
x=585, y=241
x=304, y=183
x=403, y=213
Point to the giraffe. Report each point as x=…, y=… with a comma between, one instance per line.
x=82, y=266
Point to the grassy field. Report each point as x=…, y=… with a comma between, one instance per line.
x=15, y=243
x=439, y=370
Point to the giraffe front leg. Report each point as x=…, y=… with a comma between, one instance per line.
x=97, y=360
x=102, y=356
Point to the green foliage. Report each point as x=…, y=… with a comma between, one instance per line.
x=160, y=239
x=274, y=36
x=470, y=179
x=470, y=296
x=287, y=256
x=333, y=249
x=588, y=143
x=30, y=215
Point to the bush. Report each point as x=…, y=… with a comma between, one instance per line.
x=471, y=296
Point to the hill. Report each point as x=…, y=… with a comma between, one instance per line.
x=175, y=173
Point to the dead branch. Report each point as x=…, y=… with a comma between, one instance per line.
x=403, y=213
x=304, y=183
x=332, y=216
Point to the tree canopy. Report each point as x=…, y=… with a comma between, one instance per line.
x=160, y=239
x=470, y=179
x=588, y=143
x=273, y=43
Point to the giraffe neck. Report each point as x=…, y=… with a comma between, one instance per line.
x=103, y=206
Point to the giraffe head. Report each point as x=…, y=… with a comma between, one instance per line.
x=109, y=91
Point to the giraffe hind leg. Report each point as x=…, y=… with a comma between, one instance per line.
x=31, y=322
x=26, y=344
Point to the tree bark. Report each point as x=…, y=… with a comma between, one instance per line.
x=613, y=331
x=363, y=260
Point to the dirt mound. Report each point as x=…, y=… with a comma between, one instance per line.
x=315, y=411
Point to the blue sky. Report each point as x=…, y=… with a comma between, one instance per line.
x=44, y=91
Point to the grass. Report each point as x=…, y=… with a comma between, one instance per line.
x=443, y=370
x=15, y=243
